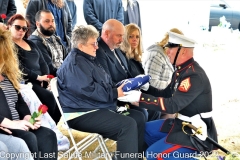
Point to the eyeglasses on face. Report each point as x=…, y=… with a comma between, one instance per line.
x=94, y=44
x=17, y=27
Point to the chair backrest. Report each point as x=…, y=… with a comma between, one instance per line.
x=54, y=89
x=88, y=140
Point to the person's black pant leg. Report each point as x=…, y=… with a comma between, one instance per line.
x=30, y=139
x=120, y=128
x=153, y=115
x=140, y=119
x=47, y=143
x=41, y=141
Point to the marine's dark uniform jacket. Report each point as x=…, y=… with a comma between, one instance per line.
x=189, y=93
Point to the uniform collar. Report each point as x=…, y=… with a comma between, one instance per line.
x=185, y=64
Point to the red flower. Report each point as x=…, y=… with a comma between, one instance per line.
x=50, y=76
x=3, y=16
x=41, y=110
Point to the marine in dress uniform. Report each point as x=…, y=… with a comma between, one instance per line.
x=189, y=95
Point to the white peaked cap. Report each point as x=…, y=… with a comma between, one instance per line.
x=181, y=39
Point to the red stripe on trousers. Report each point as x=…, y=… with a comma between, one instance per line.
x=168, y=151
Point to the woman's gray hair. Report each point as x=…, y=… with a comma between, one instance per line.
x=81, y=34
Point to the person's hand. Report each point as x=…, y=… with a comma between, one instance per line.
x=49, y=87
x=6, y=130
x=22, y=125
x=43, y=78
x=135, y=103
x=131, y=96
x=38, y=122
x=145, y=87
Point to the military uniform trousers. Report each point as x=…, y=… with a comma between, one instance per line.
x=159, y=149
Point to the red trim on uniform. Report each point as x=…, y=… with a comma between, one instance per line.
x=169, y=150
x=162, y=104
x=193, y=68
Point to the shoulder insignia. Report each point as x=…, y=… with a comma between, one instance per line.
x=185, y=85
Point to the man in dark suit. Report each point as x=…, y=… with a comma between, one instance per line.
x=108, y=54
x=113, y=61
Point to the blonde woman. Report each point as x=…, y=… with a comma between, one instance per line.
x=157, y=64
x=14, y=112
x=131, y=47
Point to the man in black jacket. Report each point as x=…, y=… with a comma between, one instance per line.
x=113, y=61
x=52, y=49
x=60, y=10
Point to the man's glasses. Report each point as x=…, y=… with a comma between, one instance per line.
x=17, y=27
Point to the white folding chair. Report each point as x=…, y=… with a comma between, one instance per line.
x=85, y=142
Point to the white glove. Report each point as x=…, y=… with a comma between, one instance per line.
x=131, y=96
x=145, y=87
x=140, y=75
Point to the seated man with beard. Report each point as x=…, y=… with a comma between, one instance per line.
x=44, y=37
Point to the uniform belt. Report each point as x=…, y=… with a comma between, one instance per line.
x=188, y=119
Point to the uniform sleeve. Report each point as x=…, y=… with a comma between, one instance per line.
x=90, y=16
x=188, y=89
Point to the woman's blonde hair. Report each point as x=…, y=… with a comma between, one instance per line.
x=126, y=47
x=164, y=41
x=9, y=64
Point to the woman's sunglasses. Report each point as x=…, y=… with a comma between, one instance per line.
x=17, y=27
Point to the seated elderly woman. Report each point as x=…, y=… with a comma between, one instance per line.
x=14, y=112
x=89, y=99
x=32, y=63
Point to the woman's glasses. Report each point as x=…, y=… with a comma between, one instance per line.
x=94, y=44
x=17, y=27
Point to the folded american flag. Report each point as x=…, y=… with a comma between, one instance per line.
x=134, y=83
